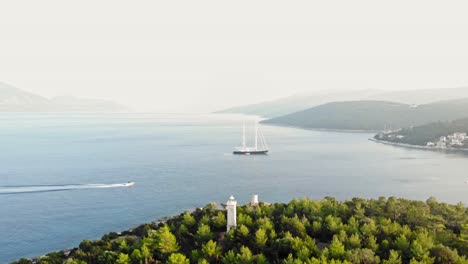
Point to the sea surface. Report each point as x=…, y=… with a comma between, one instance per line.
x=62, y=175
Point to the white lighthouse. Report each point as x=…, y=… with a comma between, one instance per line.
x=231, y=213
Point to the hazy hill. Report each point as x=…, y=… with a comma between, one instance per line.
x=424, y=96
x=287, y=105
x=373, y=115
x=296, y=103
x=75, y=104
x=13, y=99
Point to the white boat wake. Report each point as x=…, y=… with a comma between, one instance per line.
x=17, y=189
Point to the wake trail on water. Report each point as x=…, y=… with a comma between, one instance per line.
x=18, y=189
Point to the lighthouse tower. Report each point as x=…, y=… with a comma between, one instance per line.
x=231, y=213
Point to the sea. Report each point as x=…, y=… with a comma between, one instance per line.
x=62, y=176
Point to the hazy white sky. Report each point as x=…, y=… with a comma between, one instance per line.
x=207, y=55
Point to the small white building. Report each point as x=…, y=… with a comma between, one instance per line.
x=441, y=144
x=459, y=136
x=254, y=201
x=231, y=208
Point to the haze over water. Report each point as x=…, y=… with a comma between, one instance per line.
x=184, y=161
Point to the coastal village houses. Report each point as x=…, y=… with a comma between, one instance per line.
x=454, y=140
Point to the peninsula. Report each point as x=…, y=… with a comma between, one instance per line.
x=385, y=230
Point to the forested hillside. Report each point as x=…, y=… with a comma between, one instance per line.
x=303, y=231
x=373, y=115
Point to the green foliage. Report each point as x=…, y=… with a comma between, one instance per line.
x=219, y=221
x=123, y=259
x=107, y=257
x=336, y=249
x=71, y=261
x=261, y=238
x=145, y=253
x=165, y=241
x=136, y=256
x=333, y=223
x=123, y=246
x=294, y=225
x=205, y=220
x=245, y=255
x=188, y=220
x=27, y=261
x=211, y=250
x=352, y=226
x=389, y=231
x=229, y=258
x=243, y=219
x=371, y=243
x=243, y=231
x=443, y=254
x=365, y=255
x=177, y=258
x=394, y=258
x=353, y=241
x=204, y=233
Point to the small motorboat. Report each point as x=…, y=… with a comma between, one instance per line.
x=129, y=184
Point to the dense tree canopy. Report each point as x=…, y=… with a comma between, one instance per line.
x=385, y=230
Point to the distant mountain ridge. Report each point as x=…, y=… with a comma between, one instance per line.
x=424, y=96
x=373, y=115
x=13, y=99
x=291, y=104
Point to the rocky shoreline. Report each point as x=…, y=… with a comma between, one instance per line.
x=323, y=129
x=157, y=222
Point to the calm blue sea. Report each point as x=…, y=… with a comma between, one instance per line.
x=180, y=162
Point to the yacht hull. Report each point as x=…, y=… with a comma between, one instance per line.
x=250, y=152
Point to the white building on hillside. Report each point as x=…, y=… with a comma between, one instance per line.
x=459, y=136
x=254, y=201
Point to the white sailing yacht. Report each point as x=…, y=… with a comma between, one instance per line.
x=259, y=140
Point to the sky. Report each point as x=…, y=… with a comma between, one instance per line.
x=198, y=56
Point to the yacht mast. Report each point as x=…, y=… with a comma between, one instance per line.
x=243, y=136
x=256, y=136
x=259, y=147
